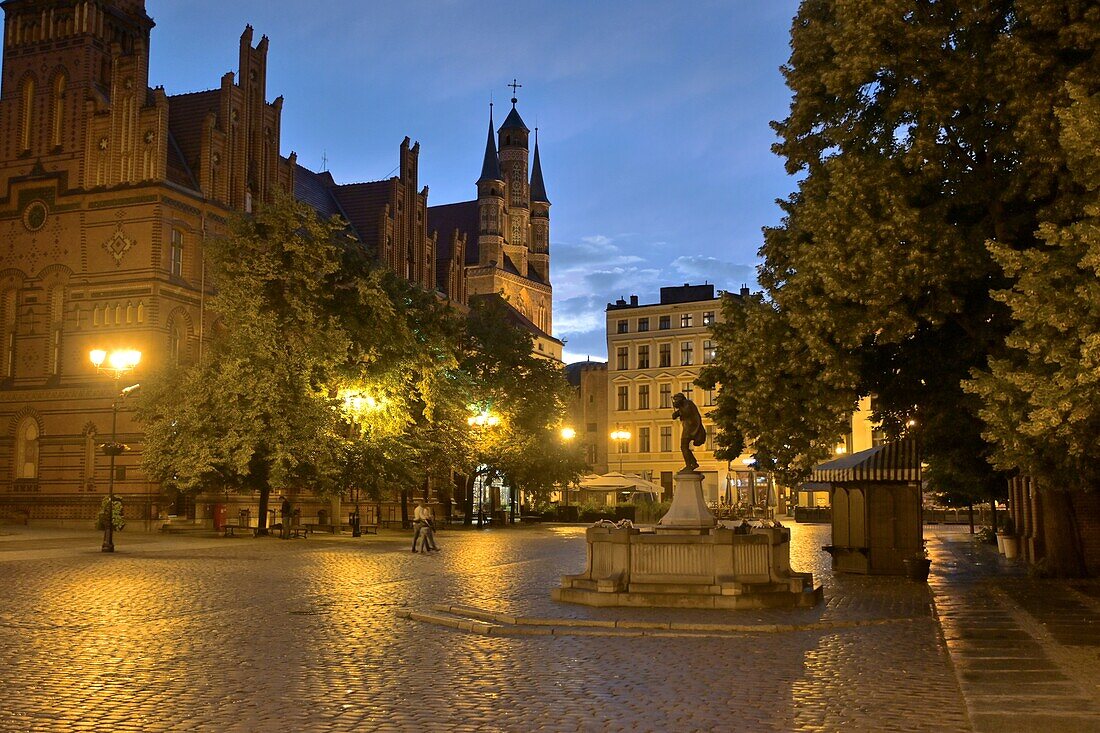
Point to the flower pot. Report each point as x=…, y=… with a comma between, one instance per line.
x=916, y=568
x=1001, y=543
x=1011, y=547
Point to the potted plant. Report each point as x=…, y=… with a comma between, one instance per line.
x=1008, y=539
x=917, y=566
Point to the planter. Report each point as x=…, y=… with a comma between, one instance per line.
x=1001, y=543
x=916, y=568
x=1011, y=547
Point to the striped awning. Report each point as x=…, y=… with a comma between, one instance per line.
x=898, y=461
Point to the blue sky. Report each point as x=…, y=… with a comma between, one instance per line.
x=653, y=118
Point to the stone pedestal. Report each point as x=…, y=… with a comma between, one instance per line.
x=689, y=510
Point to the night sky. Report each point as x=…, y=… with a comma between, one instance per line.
x=653, y=118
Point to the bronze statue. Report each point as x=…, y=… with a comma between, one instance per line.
x=692, y=431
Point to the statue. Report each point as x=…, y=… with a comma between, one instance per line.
x=692, y=428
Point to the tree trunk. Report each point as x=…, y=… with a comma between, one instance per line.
x=405, y=509
x=261, y=521
x=1063, y=554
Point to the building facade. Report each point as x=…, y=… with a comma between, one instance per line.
x=108, y=190
x=588, y=410
x=655, y=351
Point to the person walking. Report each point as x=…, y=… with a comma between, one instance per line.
x=423, y=527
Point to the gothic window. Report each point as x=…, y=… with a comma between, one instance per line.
x=26, y=449
x=8, y=332
x=175, y=264
x=174, y=345
x=27, y=114
x=516, y=187
x=58, y=109
x=57, y=305
x=517, y=231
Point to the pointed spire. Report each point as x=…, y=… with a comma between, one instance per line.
x=538, y=188
x=490, y=168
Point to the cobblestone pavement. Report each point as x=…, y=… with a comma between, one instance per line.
x=244, y=634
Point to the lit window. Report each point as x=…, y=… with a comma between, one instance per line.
x=687, y=353
x=686, y=320
x=708, y=318
x=26, y=449
x=710, y=352
x=175, y=265
x=665, y=355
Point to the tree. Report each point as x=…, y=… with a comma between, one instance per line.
x=1041, y=400
x=920, y=131
x=258, y=411
x=526, y=393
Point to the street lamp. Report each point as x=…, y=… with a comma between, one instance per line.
x=481, y=419
x=117, y=363
x=621, y=437
x=567, y=435
x=356, y=405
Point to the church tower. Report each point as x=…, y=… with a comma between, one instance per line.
x=538, y=258
x=490, y=205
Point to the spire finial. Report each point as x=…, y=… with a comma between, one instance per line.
x=515, y=85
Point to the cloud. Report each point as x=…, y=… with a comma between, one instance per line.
x=726, y=275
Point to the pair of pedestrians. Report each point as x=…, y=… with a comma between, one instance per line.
x=423, y=529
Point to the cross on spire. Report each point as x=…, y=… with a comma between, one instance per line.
x=515, y=85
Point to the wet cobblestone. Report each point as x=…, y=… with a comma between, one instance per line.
x=243, y=634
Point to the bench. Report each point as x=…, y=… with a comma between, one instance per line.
x=531, y=518
x=338, y=528
x=229, y=529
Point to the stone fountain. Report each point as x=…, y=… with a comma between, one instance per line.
x=688, y=559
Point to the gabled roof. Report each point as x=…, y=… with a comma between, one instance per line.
x=363, y=202
x=186, y=117
x=462, y=216
x=316, y=189
x=517, y=319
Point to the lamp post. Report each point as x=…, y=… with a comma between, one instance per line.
x=567, y=435
x=355, y=407
x=117, y=363
x=621, y=437
x=481, y=419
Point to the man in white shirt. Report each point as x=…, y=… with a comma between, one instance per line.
x=422, y=523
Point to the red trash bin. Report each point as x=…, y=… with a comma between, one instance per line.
x=219, y=516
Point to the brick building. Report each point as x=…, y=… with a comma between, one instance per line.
x=108, y=189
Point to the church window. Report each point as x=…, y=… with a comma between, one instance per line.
x=26, y=449
x=516, y=186
x=57, y=305
x=58, y=109
x=174, y=342
x=27, y=114
x=141, y=312
x=118, y=313
x=175, y=265
x=129, y=312
x=8, y=331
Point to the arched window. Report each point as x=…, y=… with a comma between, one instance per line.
x=58, y=109
x=57, y=317
x=175, y=341
x=27, y=114
x=26, y=449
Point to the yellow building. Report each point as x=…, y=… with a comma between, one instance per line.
x=655, y=351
